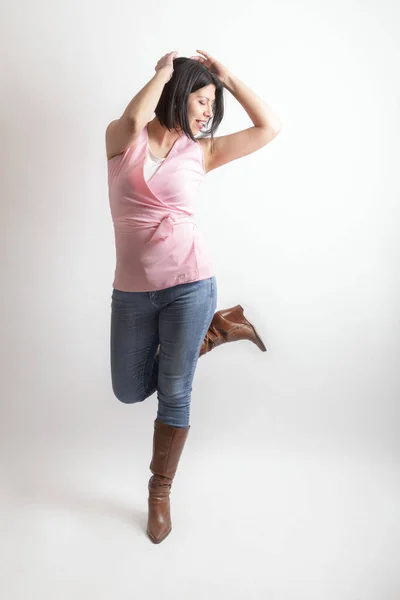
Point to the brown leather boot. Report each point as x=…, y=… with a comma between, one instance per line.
x=168, y=443
x=229, y=325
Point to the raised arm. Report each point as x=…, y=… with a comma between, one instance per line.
x=123, y=132
x=266, y=127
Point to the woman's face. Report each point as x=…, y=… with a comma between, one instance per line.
x=200, y=107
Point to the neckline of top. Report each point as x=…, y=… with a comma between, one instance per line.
x=154, y=156
x=148, y=144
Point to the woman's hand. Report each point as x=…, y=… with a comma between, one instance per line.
x=213, y=65
x=166, y=63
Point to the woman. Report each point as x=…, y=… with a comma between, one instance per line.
x=164, y=292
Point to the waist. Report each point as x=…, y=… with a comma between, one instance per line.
x=164, y=227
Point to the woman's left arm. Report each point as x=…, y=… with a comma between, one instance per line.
x=230, y=147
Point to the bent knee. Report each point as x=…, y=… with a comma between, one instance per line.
x=129, y=396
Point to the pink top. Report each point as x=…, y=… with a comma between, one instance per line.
x=156, y=239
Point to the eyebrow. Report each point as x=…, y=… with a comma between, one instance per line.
x=206, y=97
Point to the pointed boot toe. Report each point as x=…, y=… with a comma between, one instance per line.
x=157, y=528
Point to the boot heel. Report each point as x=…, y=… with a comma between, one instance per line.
x=257, y=338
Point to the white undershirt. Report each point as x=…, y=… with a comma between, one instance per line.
x=151, y=164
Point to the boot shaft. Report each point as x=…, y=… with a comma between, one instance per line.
x=168, y=444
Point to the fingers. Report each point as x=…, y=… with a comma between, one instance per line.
x=169, y=54
x=208, y=58
x=205, y=53
x=199, y=59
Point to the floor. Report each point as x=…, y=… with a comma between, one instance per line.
x=252, y=519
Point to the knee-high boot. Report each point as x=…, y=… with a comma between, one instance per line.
x=229, y=325
x=168, y=444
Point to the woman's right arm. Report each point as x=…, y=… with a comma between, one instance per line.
x=123, y=132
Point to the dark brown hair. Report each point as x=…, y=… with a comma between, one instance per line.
x=172, y=109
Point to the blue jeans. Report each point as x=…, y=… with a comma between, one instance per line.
x=178, y=319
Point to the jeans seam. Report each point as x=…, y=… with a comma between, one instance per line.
x=143, y=390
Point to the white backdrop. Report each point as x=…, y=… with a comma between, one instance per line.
x=288, y=485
